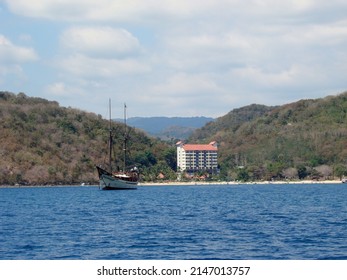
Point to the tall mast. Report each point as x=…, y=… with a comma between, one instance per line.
x=125, y=136
x=110, y=140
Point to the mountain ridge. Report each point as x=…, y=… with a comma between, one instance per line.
x=167, y=128
x=44, y=143
x=292, y=141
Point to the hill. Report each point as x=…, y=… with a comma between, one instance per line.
x=167, y=128
x=44, y=143
x=304, y=139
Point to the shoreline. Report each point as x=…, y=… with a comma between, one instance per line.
x=176, y=183
x=303, y=182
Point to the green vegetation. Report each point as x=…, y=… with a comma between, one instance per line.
x=303, y=140
x=43, y=143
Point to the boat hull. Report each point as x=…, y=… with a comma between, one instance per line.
x=110, y=182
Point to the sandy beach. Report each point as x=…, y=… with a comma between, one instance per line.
x=177, y=183
x=193, y=183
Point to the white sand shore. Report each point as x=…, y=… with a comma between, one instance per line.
x=176, y=183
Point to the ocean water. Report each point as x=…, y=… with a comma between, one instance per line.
x=252, y=222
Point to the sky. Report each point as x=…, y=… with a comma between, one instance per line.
x=173, y=57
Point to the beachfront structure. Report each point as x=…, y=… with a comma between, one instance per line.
x=192, y=158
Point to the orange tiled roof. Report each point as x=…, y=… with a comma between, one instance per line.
x=199, y=147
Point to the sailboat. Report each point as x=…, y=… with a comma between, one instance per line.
x=120, y=180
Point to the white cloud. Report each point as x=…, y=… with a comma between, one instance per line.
x=10, y=53
x=58, y=89
x=73, y=95
x=293, y=79
x=211, y=52
x=92, y=68
x=11, y=59
x=164, y=10
x=11, y=70
x=100, y=41
x=95, y=57
x=52, y=9
x=186, y=85
x=117, y=10
x=317, y=34
x=190, y=94
x=183, y=52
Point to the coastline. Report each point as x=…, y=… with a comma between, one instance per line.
x=176, y=183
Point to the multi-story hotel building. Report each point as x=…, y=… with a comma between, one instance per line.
x=197, y=157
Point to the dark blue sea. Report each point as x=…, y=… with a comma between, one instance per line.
x=225, y=222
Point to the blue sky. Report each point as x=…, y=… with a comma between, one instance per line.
x=173, y=58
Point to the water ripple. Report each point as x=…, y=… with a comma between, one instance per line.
x=193, y=222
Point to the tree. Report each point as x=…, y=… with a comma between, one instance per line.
x=290, y=173
x=242, y=175
x=274, y=170
x=340, y=170
x=324, y=170
x=146, y=159
x=171, y=158
x=302, y=172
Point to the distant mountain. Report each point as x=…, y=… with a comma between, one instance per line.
x=167, y=128
x=304, y=139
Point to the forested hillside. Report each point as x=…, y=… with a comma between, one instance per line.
x=44, y=143
x=305, y=139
